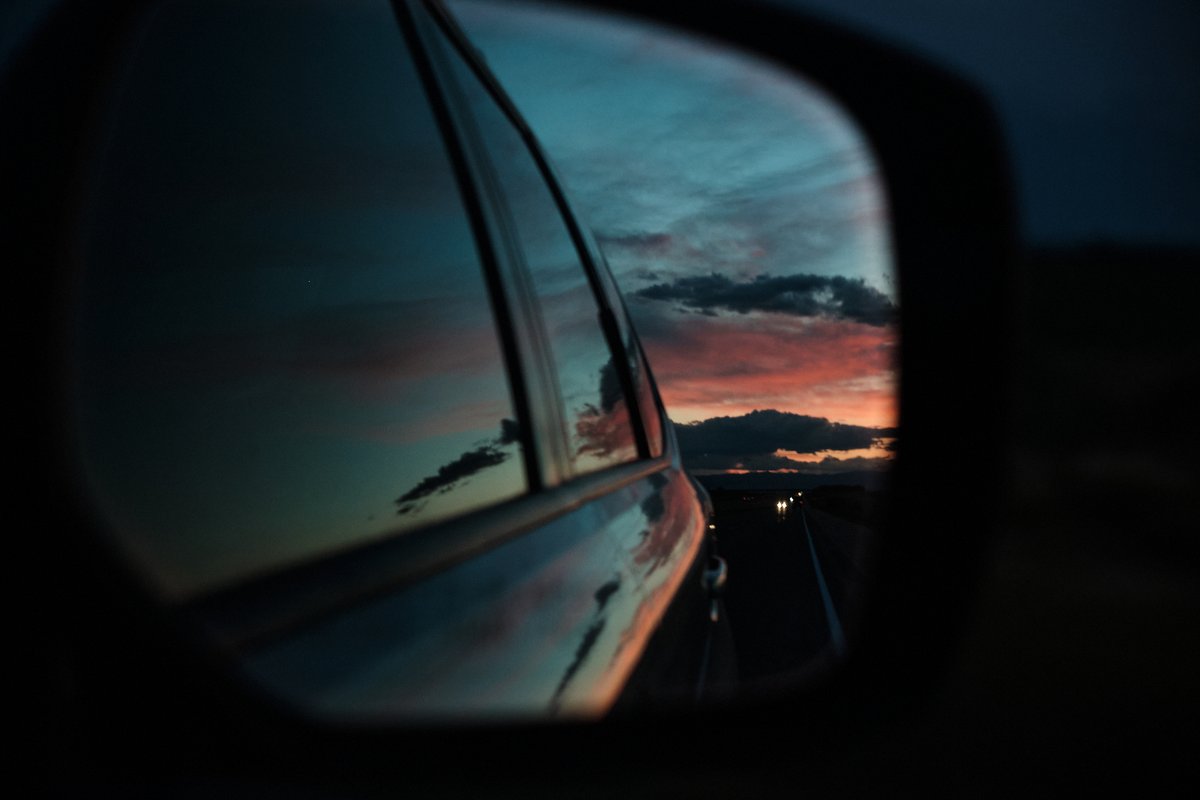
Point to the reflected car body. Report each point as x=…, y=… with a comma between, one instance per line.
x=299, y=321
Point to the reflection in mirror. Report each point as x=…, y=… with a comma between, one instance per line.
x=743, y=218
x=357, y=396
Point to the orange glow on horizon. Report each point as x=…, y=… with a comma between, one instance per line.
x=841, y=455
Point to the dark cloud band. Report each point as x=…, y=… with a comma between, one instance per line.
x=751, y=440
x=800, y=295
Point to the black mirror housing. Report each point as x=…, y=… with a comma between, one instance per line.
x=946, y=179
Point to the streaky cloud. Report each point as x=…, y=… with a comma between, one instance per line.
x=637, y=241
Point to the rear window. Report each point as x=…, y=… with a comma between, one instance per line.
x=286, y=343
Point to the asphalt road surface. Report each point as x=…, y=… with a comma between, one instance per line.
x=792, y=579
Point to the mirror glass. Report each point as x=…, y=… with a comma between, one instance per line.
x=744, y=219
x=355, y=395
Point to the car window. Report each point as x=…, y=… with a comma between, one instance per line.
x=286, y=343
x=593, y=402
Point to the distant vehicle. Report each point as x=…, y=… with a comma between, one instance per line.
x=351, y=390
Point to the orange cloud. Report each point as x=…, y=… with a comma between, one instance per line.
x=730, y=365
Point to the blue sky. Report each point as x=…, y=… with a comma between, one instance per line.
x=658, y=135
x=738, y=209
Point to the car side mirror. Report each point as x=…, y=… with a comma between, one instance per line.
x=154, y=633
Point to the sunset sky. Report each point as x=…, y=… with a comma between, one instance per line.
x=741, y=216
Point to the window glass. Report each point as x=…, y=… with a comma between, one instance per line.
x=593, y=402
x=286, y=342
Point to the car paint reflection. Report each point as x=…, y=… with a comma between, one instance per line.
x=504, y=634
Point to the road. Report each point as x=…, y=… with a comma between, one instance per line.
x=792, y=578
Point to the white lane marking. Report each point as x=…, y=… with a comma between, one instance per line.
x=835, y=625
